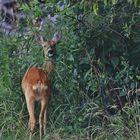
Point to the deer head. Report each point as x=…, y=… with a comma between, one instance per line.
x=49, y=45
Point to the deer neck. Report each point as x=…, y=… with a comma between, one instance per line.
x=48, y=65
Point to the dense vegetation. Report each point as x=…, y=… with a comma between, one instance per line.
x=96, y=76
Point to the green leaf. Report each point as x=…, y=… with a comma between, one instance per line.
x=95, y=8
x=105, y=2
x=114, y=2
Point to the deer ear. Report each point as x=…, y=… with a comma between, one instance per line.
x=40, y=39
x=56, y=37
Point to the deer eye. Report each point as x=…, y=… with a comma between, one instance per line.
x=50, y=52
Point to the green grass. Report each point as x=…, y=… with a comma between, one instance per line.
x=14, y=119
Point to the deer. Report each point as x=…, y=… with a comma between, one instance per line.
x=36, y=85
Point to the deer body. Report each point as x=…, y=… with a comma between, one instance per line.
x=36, y=80
x=36, y=86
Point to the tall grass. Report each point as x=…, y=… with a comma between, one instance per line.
x=68, y=124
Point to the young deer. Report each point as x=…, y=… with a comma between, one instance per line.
x=36, y=85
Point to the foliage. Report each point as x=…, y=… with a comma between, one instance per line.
x=97, y=65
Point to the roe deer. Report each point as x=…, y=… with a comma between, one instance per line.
x=36, y=85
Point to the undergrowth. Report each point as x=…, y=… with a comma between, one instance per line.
x=96, y=75
x=68, y=124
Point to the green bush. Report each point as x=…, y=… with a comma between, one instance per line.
x=97, y=65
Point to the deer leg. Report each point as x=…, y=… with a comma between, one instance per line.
x=45, y=117
x=31, y=109
x=42, y=114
